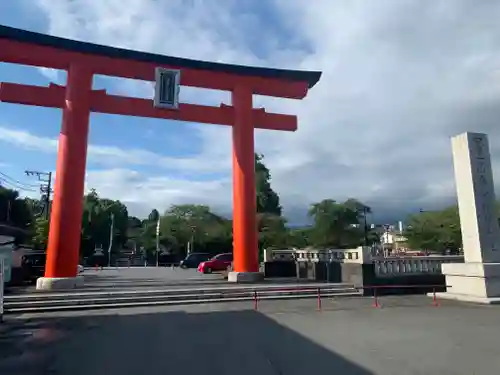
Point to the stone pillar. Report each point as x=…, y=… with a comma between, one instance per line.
x=478, y=279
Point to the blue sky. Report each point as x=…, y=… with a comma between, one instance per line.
x=159, y=137
x=398, y=78
x=162, y=137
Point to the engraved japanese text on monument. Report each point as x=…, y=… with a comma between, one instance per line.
x=484, y=191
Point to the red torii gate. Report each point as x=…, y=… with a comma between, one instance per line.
x=81, y=61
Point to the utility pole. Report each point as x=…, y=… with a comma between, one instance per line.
x=45, y=188
x=190, y=244
x=111, y=235
x=365, y=211
x=8, y=210
x=157, y=241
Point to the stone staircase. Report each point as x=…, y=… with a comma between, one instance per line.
x=86, y=299
x=127, y=257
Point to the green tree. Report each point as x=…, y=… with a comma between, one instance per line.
x=13, y=209
x=154, y=215
x=134, y=231
x=40, y=233
x=197, y=225
x=273, y=232
x=96, y=223
x=336, y=224
x=300, y=237
x=435, y=231
x=271, y=226
x=268, y=200
x=36, y=207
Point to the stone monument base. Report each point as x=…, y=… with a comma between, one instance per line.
x=245, y=277
x=472, y=282
x=59, y=283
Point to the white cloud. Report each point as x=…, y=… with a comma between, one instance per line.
x=143, y=193
x=51, y=74
x=27, y=140
x=400, y=78
x=115, y=156
x=140, y=191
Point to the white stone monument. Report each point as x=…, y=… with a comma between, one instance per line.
x=478, y=279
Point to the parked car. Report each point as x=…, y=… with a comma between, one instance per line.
x=193, y=260
x=220, y=262
x=33, y=265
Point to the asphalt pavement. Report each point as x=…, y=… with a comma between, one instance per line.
x=407, y=335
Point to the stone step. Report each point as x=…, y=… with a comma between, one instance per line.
x=117, y=297
x=167, y=291
x=25, y=306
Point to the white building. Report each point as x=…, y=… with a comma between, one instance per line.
x=391, y=237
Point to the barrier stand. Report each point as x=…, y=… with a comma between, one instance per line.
x=375, y=299
x=435, y=302
x=255, y=301
x=319, y=299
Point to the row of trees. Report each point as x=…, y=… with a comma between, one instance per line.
x=334, y=224
x=436, y=231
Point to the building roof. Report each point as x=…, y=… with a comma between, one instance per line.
x=25, y=36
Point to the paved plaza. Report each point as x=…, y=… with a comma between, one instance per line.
x=148, y=278
x=142, y=277
x=406, y=336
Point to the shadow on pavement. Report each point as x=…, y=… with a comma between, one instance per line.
x=228, y=342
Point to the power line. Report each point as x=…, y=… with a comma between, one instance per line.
x=16, y=183
x=45, y=188
x=12, y=185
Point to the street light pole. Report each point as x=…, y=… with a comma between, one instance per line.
x=192, y=239
x=111, y=235
x=366, y=225
x=157, y=241
x=190, y=244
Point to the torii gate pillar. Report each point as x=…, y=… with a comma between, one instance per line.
x=245, y=245
x=67, y=204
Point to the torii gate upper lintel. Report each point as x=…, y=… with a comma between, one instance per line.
x=77, y=99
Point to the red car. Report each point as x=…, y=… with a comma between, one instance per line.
x=220, y=262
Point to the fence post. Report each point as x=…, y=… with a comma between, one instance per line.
x=319, y=299
x=434, y=298
x=375, y=299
